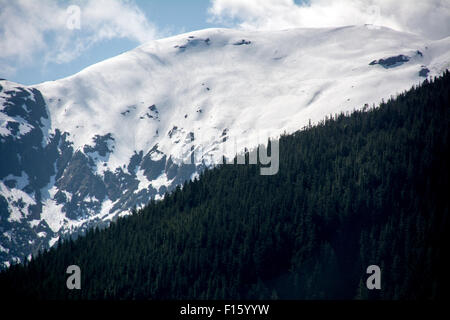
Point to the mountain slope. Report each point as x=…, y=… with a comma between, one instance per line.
x=366, y=189
x=130, y=128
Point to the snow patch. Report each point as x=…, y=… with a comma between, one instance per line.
x=3, y=249
x=144, y=183
x=21, y=182
x=52, y=241
x=7, y=235
x=34, y=223
x=52, y=214
x=194, y=176
x=18, y=202
x=161, y=180
x=159, y=197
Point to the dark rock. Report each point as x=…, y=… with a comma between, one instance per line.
x=242, y=42
x=100, y=145
x=391, y=62
x=172, y=131
x=153, y=168
x=424, y=72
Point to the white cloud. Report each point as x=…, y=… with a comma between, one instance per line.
x=29, y=27
x=430, y=18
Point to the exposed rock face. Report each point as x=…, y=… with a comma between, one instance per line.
x=49, y=189
x=391, y=62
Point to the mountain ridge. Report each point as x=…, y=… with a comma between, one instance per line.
x=124, y=131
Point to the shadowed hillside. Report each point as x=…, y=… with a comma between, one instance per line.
x=355, y=190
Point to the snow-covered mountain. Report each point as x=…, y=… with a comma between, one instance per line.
x=83, y=150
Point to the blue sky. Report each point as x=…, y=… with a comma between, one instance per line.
x=41, y=40
x=170, y=18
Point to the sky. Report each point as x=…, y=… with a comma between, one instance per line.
x=48, y=39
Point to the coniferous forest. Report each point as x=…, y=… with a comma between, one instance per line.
x=359, y=189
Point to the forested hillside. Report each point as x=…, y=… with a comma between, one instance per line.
x=355, y=190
